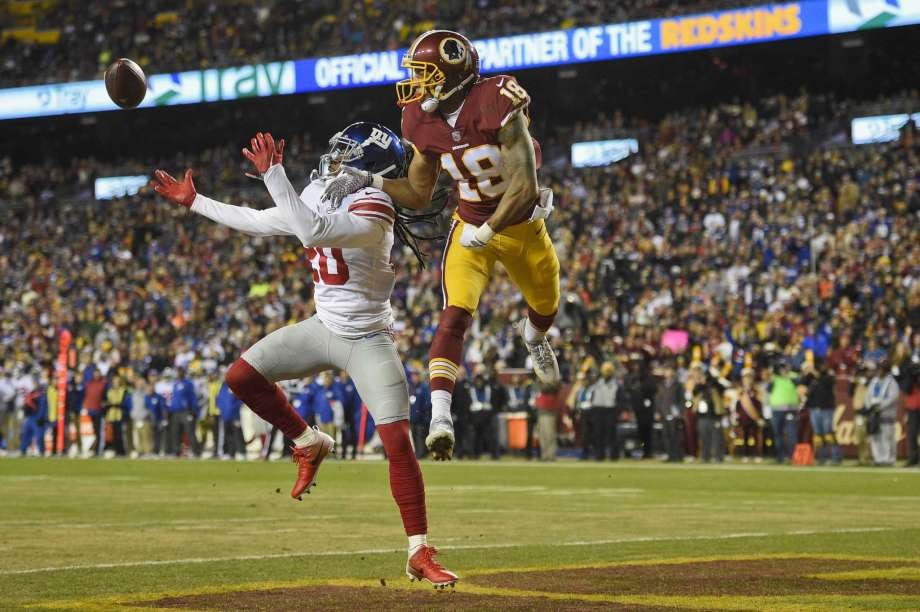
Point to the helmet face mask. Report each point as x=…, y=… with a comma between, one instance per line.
x=364, y=146
x=440, y=64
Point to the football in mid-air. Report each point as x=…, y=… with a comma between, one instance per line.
x=125, y=83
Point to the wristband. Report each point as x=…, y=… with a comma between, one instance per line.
x=484, y=233
x=377, y=181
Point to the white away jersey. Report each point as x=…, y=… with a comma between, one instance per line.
x=348, y=248
x=353, y=285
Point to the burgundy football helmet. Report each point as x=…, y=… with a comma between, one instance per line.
x=440, y=63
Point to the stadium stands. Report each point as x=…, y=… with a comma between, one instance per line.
x=754, y=227
x=71, y=40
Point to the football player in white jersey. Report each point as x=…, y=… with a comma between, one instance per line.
x=349, y=250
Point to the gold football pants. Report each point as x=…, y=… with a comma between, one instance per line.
x=526, y=252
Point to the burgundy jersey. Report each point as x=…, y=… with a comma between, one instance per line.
x=470, y=151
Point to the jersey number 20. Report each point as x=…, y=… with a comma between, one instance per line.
x=335, y=274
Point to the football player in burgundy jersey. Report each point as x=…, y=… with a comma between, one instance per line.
x=475, y=129
x=349, y=251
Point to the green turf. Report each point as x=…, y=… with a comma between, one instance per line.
x=56, y=513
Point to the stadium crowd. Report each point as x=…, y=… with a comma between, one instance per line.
x=180, y=35
x=781, y=264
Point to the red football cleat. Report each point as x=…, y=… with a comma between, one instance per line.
x=308, y=459
x=423, y=566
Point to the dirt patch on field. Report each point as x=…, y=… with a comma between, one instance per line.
x=380, y=598
x=575, y=589
x=746, y=577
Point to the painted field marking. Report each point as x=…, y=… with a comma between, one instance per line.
x=687, y=560
x=628, y=465
x=910, y=572
x=789, y=603
x=378, y=551
x=173, y=523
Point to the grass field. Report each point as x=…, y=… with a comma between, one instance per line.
x=222, y=535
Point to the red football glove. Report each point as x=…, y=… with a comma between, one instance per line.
x=264, y=153
x=182, y=193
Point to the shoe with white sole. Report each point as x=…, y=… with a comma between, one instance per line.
x=440, y=440
x=308, y=459
x=423, y=566
x=543, y=357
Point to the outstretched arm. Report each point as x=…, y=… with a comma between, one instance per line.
x=313, y=230
x=269, y=222
x=253, y=222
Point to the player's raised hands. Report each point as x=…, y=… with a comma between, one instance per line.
x=181, y=193
x=263, y=152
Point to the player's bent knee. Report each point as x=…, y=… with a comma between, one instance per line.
x=395, y=438
x=455, y=320
x=242, y=376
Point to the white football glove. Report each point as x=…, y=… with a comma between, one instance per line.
x=346, y=182
x=473, y=237
x=544, y=207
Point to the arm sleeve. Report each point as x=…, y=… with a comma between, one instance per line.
x=314, y=230
x=270, y=222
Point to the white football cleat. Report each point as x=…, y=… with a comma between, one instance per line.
x=543, y=357
x=440, y=440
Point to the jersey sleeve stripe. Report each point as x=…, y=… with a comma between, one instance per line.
x=370, y=199
x=367, y=206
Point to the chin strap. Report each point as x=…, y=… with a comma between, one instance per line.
x=431, y=103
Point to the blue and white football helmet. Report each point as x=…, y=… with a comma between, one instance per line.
x=364, y=146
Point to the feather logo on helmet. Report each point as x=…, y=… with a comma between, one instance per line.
x=452, y=50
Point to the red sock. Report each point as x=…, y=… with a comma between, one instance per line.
x=264, y=398
x=541, y=322
x=447, y=348
x=405, y=477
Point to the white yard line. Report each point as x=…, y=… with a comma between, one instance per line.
x=379, y=551
x=660, y=465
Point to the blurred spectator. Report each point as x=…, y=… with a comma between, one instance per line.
x=158, y=409
x=117, y=408
x=352, y=406
x=669, y=411
x=821, y=404
x=487, y=399
x=882, y=402
x=639, y=392
x=749, y=416
x=706, y=401
x=230, y=443
x=7, y=411
x=783, y=400
x=605, y=399
x=419, y=410
x=584, y=410
x=461, y=413
x=183, y=406
x=910, y=386
x=209, y=423
x=547, y=404
x=35, y=421
x=860, y=393
x=142, y=418
x=94, y=404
